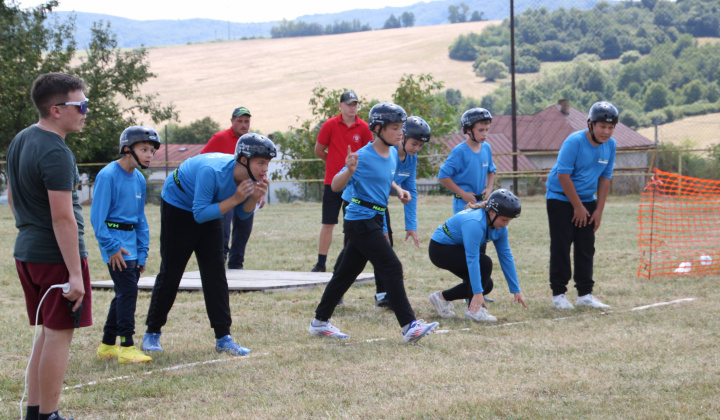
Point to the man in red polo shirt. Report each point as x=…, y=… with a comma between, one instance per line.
x=336, y=134
x=225, y=142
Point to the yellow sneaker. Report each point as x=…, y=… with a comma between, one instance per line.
x=132, y=355
x=105, y=352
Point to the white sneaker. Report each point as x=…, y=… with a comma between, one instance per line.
x=561, y=302
x=325, y=329
x=443, y=307
x=482, y=315
x=590, y=301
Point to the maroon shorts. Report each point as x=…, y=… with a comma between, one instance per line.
x=36, y=280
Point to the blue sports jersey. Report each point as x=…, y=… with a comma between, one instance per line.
x=585, y=163
x=405, y=177
x=468, y=170
x=206, y=180
x=119, y=196
x=371, y=181
x=470, y=229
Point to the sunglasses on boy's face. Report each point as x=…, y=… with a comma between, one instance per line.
x=82, y=106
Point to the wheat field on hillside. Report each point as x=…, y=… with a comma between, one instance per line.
x=274, y=78
x=699, y=131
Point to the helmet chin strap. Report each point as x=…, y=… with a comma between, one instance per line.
x=472, y=136
x=383, y=140
x=492, y=222
x=247, y=168
x=132, y=152
x=591, y=128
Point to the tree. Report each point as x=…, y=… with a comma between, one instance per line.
x=463, y=48
x=453, y=96
x=290, y=28
x=392, y=22
x=656, y=96
x=407, y=19
x=630, y=57
x=650, y=4
x=491, y=70
x=197, y=132
x=477, y=16
x=113, y=78
x=458, y=14
x=298, y=143
x=27, y=49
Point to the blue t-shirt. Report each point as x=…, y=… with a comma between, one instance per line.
x=405, y=177
x=119, y=196
x=371, y=182
x=468, y=170
x=206, y=180
x=470, y=229
x=585, y=163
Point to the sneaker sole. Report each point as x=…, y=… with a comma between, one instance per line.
x=591, y=306
x=414, y=340
x=126, y=361
x=107, y=357
x=484, y=321
x=315, y=334
x=232, y=353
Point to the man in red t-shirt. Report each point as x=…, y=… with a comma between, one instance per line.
x=225, y=142
x=336, y=134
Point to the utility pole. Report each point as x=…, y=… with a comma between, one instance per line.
x=514, y=102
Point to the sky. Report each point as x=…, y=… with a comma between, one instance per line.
x=228, y=10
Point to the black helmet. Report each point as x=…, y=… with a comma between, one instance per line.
x=504, y=203
x=252, y=145
x=386, y=113
x=473, y=115
x=603, y=112
x=137, y=134
x=416, y=128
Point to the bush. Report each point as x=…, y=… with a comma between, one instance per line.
x=463, y=48
x=284, y=195
x=527, y=65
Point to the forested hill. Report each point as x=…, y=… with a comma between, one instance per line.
x=134, y=33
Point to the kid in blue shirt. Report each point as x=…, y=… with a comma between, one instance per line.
x=584, y=166
x=370, y=171
x=416, y=133
x=455, y=246
x=469, y=171
x=118, y=218
x=194, y=199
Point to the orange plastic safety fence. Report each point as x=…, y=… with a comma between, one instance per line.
x=679, y=226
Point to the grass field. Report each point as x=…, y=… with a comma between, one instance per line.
x=660, y=362
x=274, y=78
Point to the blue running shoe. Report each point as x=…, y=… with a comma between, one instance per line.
x=151, y=342
x=227, y=345
x=417, y=330
x=325, y=329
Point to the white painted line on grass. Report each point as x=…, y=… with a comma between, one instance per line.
x=167, y=369
x=672, y=302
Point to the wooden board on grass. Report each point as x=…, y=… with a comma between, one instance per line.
x=250, y=280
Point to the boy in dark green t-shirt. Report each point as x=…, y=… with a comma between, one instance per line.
x=49, y=249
